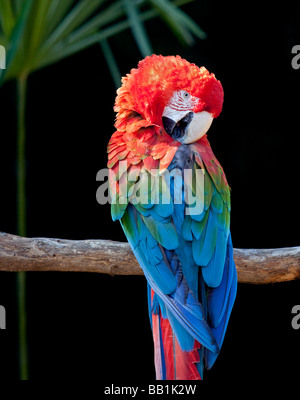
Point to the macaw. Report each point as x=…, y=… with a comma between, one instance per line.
x=164, y=109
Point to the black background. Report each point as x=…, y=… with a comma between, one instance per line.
x=89, y=325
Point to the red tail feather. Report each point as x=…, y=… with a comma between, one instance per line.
x=171, y=362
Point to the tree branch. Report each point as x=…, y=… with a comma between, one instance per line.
x=256, y=266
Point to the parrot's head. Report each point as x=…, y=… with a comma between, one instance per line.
x=174, y=94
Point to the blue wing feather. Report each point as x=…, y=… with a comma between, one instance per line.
x=218, y=297
x=213, y=272
x=182, y=256
x=219, y=332
x=220, y=302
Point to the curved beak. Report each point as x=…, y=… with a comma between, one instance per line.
x=188, y=128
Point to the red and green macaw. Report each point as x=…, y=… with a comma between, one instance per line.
x=164, y=109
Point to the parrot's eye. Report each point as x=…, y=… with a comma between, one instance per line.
x=186, y=95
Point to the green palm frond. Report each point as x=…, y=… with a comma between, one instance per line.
x=41, y=32
x=137, y=27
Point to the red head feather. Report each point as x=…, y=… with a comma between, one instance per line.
x=149, y=87
x=140, y=138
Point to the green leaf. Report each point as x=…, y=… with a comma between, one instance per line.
x=190, y=24
x=57, y=29
x=111, y=62
x=56, y=13
x=180, y=23
x=7, y=17
x=108, y=15
x=16, y=36
x=3, y=40
x=138, y=28
x=172, y=21
x=73, y=19
x=70, y=46
x=61, y=51
x=37, y=26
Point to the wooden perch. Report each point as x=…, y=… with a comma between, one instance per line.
x=255, y=266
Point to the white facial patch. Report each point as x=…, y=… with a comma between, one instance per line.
x=175, y=115
x=178, y=106
x=197, y=128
